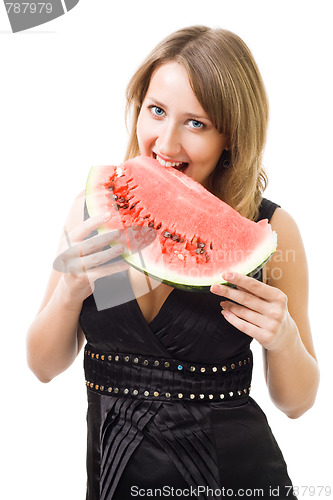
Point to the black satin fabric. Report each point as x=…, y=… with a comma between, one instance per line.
x=152, y=442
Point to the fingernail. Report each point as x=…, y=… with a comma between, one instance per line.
x=215, y=288
x=227, y=276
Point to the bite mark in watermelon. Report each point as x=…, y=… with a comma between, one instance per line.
x=198, y=236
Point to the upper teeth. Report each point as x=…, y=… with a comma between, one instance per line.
x=168, y=163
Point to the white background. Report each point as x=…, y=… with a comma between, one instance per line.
x=61, y=110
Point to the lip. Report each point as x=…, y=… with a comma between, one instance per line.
x=169, y=162
x=165, y=158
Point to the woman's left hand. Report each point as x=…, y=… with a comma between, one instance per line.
x=260, y=311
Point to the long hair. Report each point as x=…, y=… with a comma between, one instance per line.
x=226, y=81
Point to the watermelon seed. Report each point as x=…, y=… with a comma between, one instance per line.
x=111, y=187
x=166, y=234
x=180, y=256
x=207, y=257
x=132, y=206
x=201, y=245
x=125, y=205
x=151, y=224
x=175, y=237
x=159, y=226
x=121, y=199
x=113, y=197
x=211, y=246
x=199, y=250
x=194, y=240
x=116, y=207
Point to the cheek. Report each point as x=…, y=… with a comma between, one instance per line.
x=217, y=148
x=209, y=149
x=139, y=130
x=143, y=134
x=210, y=155
x=141, y=144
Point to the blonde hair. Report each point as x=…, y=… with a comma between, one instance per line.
x=226, y=81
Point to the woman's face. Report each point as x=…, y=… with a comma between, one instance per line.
x=173, y=128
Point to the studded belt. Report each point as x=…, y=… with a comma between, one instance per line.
x=148, y=377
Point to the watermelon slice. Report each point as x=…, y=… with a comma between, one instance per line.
x=198, y=236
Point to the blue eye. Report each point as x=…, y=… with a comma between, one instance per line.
x=196, y=124
x=156, y=110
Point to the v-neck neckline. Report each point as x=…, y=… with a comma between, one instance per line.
x=160, y=311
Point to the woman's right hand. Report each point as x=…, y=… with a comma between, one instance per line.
x=82, y=262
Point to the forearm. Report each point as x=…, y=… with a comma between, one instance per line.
x=292, y=375
x=52, y=342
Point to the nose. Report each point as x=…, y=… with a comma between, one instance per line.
x=169, y=140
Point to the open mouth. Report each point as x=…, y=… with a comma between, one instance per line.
x=178, y=165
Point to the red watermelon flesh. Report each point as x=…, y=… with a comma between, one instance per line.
x=198, y=236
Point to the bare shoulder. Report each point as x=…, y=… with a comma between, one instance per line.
x=287, y=270
x=284, y=224
x=290, y=257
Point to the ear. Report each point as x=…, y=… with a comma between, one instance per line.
x=227, y=146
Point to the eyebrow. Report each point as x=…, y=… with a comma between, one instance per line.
x=193, y=115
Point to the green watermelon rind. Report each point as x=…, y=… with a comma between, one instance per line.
x=196, y=288
x=205, y=285
x=248, y=267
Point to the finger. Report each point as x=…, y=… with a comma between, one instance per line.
x=95, y=243
x=71, y=261
x=136, y=238
x=87, y=226
x=242, y=297
x=257, y=288
x=248, y=315
x=244, y=290
x=62, y=263
x=85, y=248
x=107, y=270
x=99, y=258
x=244, y=326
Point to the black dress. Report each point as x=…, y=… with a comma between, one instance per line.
x=168, y=401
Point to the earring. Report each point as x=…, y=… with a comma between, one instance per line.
x=225, y=159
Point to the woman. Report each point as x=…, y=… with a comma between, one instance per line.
x=198, y=102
